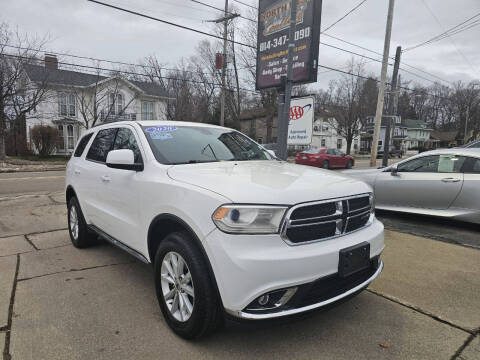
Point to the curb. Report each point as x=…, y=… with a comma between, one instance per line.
x=4, y=171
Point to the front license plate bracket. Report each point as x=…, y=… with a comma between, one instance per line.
x=353, y=259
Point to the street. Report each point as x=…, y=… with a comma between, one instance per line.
x=59, y=302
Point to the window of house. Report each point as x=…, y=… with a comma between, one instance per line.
x=61, y=138
x=147, y=110
x=116, y=103
x=339, y=143
x=67, y=104
x=70, y=138
x=324, y=143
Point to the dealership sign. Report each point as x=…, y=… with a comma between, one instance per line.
x=300, y=123
x=272, y=41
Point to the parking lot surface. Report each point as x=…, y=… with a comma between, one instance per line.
x=59, y=302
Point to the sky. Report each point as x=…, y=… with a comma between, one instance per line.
x=83, y=28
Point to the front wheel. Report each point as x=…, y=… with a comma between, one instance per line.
x=349, y=164
x=325, y=164
x=77, y=227
x=185, y=291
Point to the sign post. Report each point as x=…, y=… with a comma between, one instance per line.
x=287, y=52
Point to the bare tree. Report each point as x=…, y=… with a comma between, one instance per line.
x=17, y=95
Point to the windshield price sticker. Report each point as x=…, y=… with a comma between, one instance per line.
x=160, y=132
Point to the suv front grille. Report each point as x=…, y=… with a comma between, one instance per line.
x=327, y=219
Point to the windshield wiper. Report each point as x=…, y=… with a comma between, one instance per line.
x=211, y=149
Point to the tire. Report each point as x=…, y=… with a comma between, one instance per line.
x=79, y=234
x=206, y=313
x=349, y=164
x=325, y=164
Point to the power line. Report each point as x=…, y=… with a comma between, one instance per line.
x=168, y=22
x=222, y=10
x=344, y=16
x=250, y=6
x=445, y=33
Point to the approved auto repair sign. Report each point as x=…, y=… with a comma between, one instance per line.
x=273, y=26
x=300, y=124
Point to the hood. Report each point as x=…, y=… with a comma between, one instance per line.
x=362, y=172
x=268, y=182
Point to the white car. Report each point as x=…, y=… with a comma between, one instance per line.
x=228, y=227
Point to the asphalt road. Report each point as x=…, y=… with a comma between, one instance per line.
x=18, y=183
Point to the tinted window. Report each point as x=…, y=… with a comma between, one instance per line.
x=421, y=164
x=101, y=145
x=312, y=151
x=192, y=144
x=474, y=166
x=82, y=144
x=126, y=140
x=331, y=151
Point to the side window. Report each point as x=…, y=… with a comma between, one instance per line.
x=330, y=151
x=451, y=163
x=421, y=164
x=126, y=140
x=101, y=145
x=476, y=166
x=473, y=166
x=82, y=144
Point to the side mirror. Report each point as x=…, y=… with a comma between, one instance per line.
x=123, y=159
x=394, y=170
x=271, y=152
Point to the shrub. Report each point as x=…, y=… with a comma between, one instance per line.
x=44, y=138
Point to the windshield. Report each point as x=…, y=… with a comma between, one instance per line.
x=196, y=144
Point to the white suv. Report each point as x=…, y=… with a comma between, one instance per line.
x=227, y=226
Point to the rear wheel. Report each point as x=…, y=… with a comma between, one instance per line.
x=325, y=164
x=77, y=227
x=349, y=164
x=185, y=291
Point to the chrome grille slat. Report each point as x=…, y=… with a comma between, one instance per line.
x=348, y=217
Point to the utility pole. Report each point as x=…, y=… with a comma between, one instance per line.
x=227, y=16
x=383, y=78
x=284, y=111
x=390, y=120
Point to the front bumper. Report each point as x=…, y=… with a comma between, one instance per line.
x=247, y=266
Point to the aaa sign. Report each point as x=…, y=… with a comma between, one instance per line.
x=300, y=125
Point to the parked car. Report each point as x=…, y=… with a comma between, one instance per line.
x=440, y=182
x=228, y=228
x=473, y=144
x=325, y=158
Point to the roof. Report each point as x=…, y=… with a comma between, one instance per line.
x=415, y=124
x=154, y=123
x=444, y=135
x=456, y=151
x=37, y=73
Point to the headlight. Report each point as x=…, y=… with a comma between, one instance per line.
x=251, y=219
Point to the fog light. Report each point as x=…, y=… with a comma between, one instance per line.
x=263, y=300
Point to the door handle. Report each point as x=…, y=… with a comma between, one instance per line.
x=450, y=180
x=77, y=172
x=106, y=178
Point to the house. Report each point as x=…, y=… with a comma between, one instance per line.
x=325, y=133
x=261, y=125
x=405, y=134
x=398, y=133
x=77, y=100
x=445, y=139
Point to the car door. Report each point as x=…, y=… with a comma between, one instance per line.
x=430, y=181
x=92, y=172
x=332, y=158
x=342, y=160
x=469, y=197
x=119, y=216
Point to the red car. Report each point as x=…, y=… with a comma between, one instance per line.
x=325, y=158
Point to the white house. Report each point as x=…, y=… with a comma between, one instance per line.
x=76, y=101
x=326, y=135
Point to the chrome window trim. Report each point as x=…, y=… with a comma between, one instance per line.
x=340, y=231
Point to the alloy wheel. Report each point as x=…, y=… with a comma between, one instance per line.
x=74, y=222
x=177, y=286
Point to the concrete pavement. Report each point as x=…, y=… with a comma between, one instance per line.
x=99, y=303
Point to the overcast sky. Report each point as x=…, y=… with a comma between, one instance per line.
x=84, y=28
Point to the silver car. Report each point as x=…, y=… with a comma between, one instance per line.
x=440, y=183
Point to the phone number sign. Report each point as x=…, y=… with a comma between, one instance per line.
x=272, y=44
